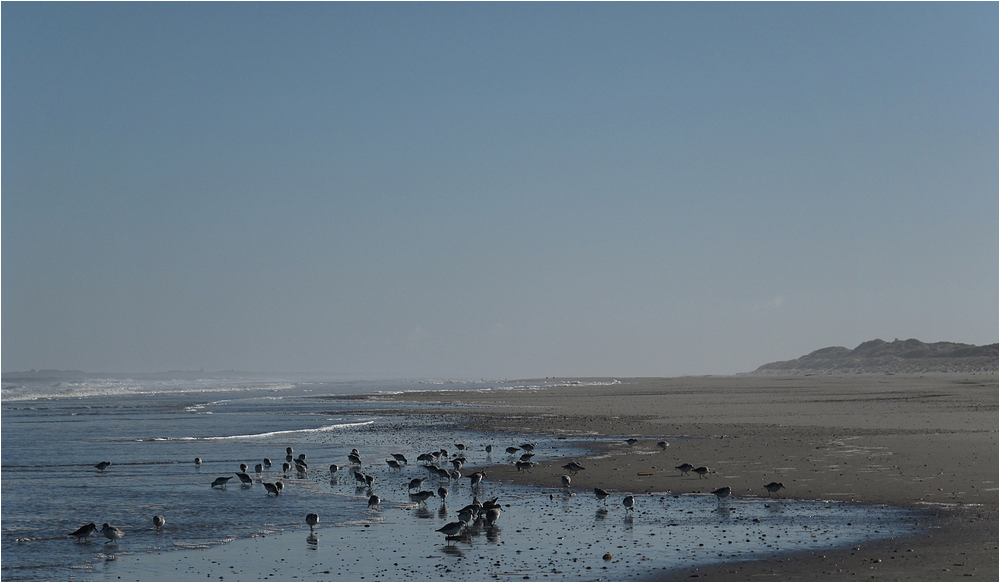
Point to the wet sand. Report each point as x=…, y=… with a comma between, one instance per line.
x=927, y=442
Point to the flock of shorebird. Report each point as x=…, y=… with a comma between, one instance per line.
x=435, y=463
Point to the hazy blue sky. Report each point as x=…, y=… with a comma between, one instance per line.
x=493, y=190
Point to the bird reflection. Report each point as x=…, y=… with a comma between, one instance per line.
x=493, y=534
x=602, y=513
x=312, y=541
x=443, y=511
x=422, y=512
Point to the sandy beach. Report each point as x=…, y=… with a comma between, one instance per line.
x=926, y=442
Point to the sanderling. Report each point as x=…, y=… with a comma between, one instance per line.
x=512, y=450
x=102, y=466
x=528, y=446
x=565, y=481
x=221, y=481
x=245, y=479
x=573, y=467
x=393, y=465
x=271, y=489
x=267, y=462
x=662, y=444
x=526, y=466
x=629, y=502
x=492, y=515
x=373, y=500
x=258, y=469
x=601, y=494
x=159, y=521
x=526, y=457
x=442, y=493
x=354, y=459
x=702, y=472
x=422, y=495
x=723, y=492
x=197, y=461
x=631, y=441
x=399, y=457
x=476, y=478
x=451, y=529
x=244, y=468
x=112, y=533
x=489, y=449
x=312, y=519
x=416, y=483
x=460, y=446
x=84, y=532
x=334, y=468
x=685, y=468
x=289, y=450
x=773, y=488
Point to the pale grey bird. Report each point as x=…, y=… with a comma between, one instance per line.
x=102, y=466
x=601, y=494
x=565, y=481
x=492, y=515
x=489, y=449
x=442, y=493
x=267, y=462
x=334, y=468
x=400, y=458
x=112, y=533
x=244, y=468
x=662, y=444
x=631, y=441
x=702, y=472
x=373, y=500
x=451, y=529
x=629, y=502
x=312, y=519
x=197, y=461
x=271, y=489
x=422, y=495
x=773, y=488
x=524, y=466
x=573, y=467
x=685, y=468
x=159, y=521
x=245, y=479
x=393, y=465
x=476, y=478
x=723, y=492
x=258, y=469
x=528, y=446
x=416, y=483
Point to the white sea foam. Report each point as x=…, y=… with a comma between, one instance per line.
x=288, y=431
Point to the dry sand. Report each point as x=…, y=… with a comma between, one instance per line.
x=927, y=442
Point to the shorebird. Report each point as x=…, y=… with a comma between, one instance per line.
x=285, y=466
x=459, y=446
x=159, y=521
x=723, y=492
x=267, y=462
x=526, y=457
x=302, y=457
x=422, y=495
x=442, y=493
x=631, y=441
x=354, y=458
x=492, y=515
x=112, y=533
x=288, y=458
x=528, y=446
x=334, y=468
x=312, y=519
x=84, y=532
x=773, y=488
x=629, y=502
x=271, y=489
x=416, y=483
x=565, y=481
x=457, y=463
x=102, y=466
x=400, y=458
x=526, y=466
x=685, y=468
x=258, y=469
x=245, y=479
x=359, y=477
x=489, y=449
x=369, y=480
x=662, y=444
x=601, y=494
x=451, y=529
x=573, y=467
x=702, y=472
x=393, y=465
x=466, y=514
x=454, y=475
x=289, y=450
x=512, y=450
x=221, y=481
x=373, y=500
x=197, y=461
x=244, y=468
x=476, y=478
x=279, y=485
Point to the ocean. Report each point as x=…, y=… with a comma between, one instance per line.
x=56, y=427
